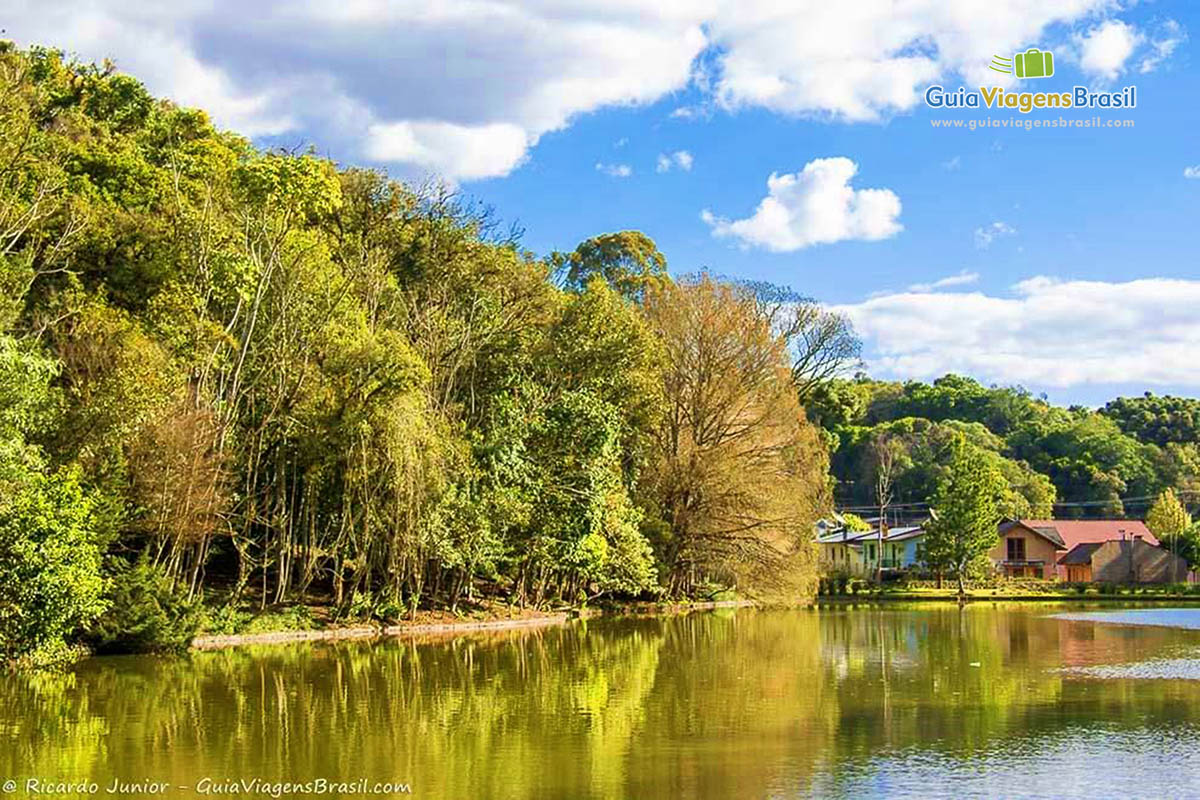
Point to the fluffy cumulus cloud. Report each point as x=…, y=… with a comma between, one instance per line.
x=1104, y=49
x=814, y=206
x=1046, y=332
x=860, y=60
x=467, y=88
x=461, y=88
x=1192, y=172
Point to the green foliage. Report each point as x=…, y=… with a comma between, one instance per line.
x=1168, y=517
x=50, y=536
x=628, y=261
x=50, y=557
x=1155, y=419
x=1184, y=543
x=1046, y=454
x=145, y=612
x=965, y=513
x=855, y=523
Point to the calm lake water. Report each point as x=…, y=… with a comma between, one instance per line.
x=990, y=701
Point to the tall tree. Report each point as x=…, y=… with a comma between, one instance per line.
x=738, y=474
x=964, y=522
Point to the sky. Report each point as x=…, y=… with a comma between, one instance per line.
x=782, y=141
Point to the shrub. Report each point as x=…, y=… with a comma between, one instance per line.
x=293, y=618
x=146, y=614
x=50, y=576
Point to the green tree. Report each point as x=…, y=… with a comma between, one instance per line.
x=628, y=261
x=51, y=541
x=964, y=519
x=1168, y=517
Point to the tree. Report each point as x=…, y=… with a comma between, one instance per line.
x=1157, y=419
x=51, y=540
x=628, y=261
x=1185, y=544
x=1168, y=517
x=822, y=343
x=964, y=519
x=738, y=474
x=855, y=523
x=887, y=458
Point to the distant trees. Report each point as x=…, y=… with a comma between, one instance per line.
x=1157, y=419
x=964, y=517
x=1046, y=454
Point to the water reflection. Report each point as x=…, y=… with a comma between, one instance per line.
x=832, y=702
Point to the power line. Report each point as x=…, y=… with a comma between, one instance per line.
x=917, y=506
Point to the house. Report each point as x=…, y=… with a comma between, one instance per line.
x=1072, y=549
x=1122, y=561
x=1026, y=550
x=861, y=553
x=838, y=555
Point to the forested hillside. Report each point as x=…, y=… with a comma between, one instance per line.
x=1061, y=462
x=260, y=377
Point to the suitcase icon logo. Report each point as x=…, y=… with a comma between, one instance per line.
x=1033, y=63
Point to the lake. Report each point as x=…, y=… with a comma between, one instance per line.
x=990, y=701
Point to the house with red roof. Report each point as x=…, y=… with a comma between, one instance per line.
x=1085, y=550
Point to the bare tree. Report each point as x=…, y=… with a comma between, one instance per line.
x=887, y=459
x=822, y=344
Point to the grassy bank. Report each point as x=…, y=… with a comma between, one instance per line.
x=1022, y=591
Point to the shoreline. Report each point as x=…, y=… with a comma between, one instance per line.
x=883, y=599
x=207, y=642
x=450, y=629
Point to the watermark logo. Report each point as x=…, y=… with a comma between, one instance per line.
x=1033, y=63
x=1001, y=64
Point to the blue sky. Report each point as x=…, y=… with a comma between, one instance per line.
x=1069, y=252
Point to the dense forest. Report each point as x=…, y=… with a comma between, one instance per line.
x=891, y=444
x=236, y=376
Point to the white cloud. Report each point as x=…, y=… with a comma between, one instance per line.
x=1048, y=333
x=1170, y=36
x=987, y=234
x=1192, y=172
x=814, y=206
x=863, y=61
x=681, y=159
x=385, y=80
x=953, y=164
x=382, y=80
x=463, y=151
x=614, y=170
x=1104, y=49
x=963, y=278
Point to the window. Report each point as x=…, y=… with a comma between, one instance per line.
x=1016, y=549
